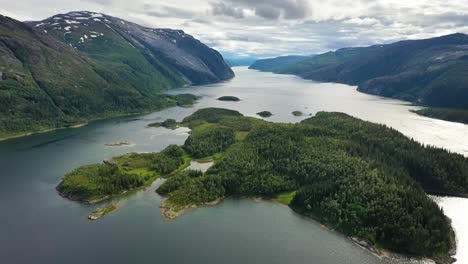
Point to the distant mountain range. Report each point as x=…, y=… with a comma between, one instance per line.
x=274, y=64
x=432, y=72
x=240, y=61
x=77, y=66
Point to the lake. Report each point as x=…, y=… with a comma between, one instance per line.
x=39, y=226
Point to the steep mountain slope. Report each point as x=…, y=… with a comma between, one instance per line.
x=46, y=83
x=272, y=64
x=113, y=40
x=431, y=71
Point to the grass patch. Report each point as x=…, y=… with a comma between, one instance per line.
x=285, y=198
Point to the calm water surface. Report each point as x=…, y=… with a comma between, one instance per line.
x=38, y=226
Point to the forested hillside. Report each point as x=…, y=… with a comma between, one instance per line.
x=365, y=180
x=430, y=71
x=75, y=67
x=273, y=64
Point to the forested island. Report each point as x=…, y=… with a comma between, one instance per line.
x=365, y=180
x=229, y=98
x=265, y=114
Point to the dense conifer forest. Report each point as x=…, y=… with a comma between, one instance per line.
x=363, y=179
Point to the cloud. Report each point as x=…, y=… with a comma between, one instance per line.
x=272, y=9
x=362, y=21
x=168, y=11
x=223, y=9
x=268, y=12
x=264, y=28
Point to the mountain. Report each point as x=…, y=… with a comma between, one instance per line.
x=239, y=61
x=272, y=64
x=111, y=39
x=82, y=65
x=430, y=72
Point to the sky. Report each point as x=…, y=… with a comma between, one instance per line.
x=267, y=28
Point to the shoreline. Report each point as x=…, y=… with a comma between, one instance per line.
x=411, y=103
x=91, y=120
x=78, y=125
x=167, y=215
x=104, y=198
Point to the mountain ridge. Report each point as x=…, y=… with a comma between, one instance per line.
x=51, y=79
x=428, y=72
x=271, y=64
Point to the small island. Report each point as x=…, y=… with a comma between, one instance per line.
x=365, y=180
x=100, y=212
x=168, y=123
x=118, y=144
x=229, y=98
x=297, y=113
x=265, y=114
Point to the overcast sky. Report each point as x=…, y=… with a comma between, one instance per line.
x=273, y=27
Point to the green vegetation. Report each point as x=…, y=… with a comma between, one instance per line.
x=453, y=115
x=429, y=72
x=168, y=123
x=207, y=140
x=297, y=113
x=60, y=79
x=363, y=179
x=286, y=198
x=265, y=114
x=185, y=100
x=272, y=64
x=229, y=98
x=97, y=182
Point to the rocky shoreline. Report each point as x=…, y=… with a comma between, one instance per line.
x=118, y=143
x=169, y=212
x=102, y=211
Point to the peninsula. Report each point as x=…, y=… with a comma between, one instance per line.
x=365, y=180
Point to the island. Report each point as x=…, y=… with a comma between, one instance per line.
x=168, y=123
x=447, y=114
x=365, y=180
x=265, y=114
x=229, y=98
x=297, y=113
